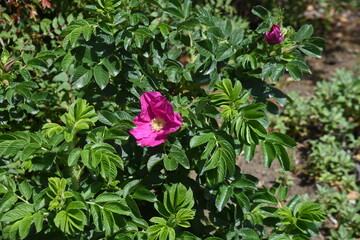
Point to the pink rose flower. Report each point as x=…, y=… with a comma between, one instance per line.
x=274, y=36
x=156, y=120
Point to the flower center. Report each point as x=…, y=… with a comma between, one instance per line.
x=157, y=124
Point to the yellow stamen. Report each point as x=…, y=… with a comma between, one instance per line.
x=157, y=124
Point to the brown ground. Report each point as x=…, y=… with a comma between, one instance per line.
x=342, y=51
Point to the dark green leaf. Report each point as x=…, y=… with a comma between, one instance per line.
x=294, y=71
x=74, y=156
x=260, y=11
x=170, y=164
x=283, y=157
x=249, y=151
x=67, y=61
x=189, y=24
x=153, y=160
x=38, y=64
x=268, y=152
x=311, y=50
x=223, y=197
x=199, y=140
x=249, y=234
x=25, y=190
x=174, y=11
x=282, y=139
x=82, y=77
x=204, y=47
x=243, y=200
x=101, y=76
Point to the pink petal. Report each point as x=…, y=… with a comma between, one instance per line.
x=147, y=100
x=146, y=137
x=153, y=140
x=174, y=125
x=143, y=130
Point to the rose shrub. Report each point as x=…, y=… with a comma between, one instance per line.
x=193, y=90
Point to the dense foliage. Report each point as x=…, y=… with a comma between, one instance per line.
x=330, y=120
x=70, y=169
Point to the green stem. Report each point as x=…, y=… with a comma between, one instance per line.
x=24, y=200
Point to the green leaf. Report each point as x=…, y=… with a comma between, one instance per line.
x=249, y=151
x=204, y=47
x=223, y=52
x=244, y=183
x=277, y=236
x=187, y=8
x=108, y=197
x=67, y=61
x=24, y=227
x=38, y=221
x=74, y=156
x=82, y=77
x=170, y=164
x=294, y=71
x=265, y=196
x=243, y=200
x=144, y=194
x=189, y=24
x=249, y=234
x=118, y=208
x=153, y=160
x=202, y=139
x=177, y=153
x=311, y=212
x=223, y=197
x=46, y=55
x=108, y=222
x=282, y=156
x=25, y=190
x=267, y=70
x=260, y=11
x=178, y=197
x=304, y=32
x=282, y=193
x=185, y=214
x=87, y=32
x=15, y=214
x=49, y=129
x=257, y=128
x=101, y=76
x=164, y=29
x=236, y=37
x=74, y=36
x=25, y=74
x=281, y=138
x=268, y=152
x=113, y=65
x=38, y=64
x=277, y=72
x=317, y=41
x=75, y=205
x=216, y=32
x=174, y=11
x=311, y=50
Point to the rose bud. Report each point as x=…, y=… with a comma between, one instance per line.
x=274, y=36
